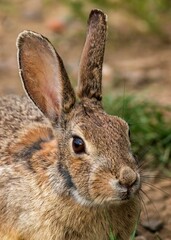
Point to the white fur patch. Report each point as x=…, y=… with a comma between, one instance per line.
x=81, y=200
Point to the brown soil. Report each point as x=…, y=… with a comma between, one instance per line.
x=141, y=66
x=156, y=206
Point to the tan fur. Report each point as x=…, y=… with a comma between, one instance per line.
x=47, y=190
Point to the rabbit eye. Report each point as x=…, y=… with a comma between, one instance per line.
x=78, y=145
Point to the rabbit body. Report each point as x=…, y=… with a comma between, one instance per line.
x=33, y=206
x=66, y=172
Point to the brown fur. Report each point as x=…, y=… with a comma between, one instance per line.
x=48, y=191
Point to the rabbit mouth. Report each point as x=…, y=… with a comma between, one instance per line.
x=127, y=192
x=120, y=195
x=127, y=195
x=103, y=201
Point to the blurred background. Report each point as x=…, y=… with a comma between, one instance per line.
x=136, y=77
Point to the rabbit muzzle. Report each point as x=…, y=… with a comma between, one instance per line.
x=106, y=188
x=128, y=183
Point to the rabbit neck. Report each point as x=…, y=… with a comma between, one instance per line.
x=81, y=222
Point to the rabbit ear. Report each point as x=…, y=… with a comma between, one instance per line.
x=43, y=75
x=90, y=75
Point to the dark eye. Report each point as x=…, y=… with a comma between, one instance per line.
x=78, y=145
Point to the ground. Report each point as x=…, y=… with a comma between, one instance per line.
x=141, y=66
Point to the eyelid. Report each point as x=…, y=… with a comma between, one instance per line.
x=76, y=136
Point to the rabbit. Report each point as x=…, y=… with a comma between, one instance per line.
x=66, y=167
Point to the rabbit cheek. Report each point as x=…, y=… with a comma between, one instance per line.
x=100, y=188
x=66, y=176
x=79, y=171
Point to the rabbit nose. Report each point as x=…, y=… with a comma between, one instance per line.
x=127, y=177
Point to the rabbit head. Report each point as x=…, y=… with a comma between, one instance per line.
x=94, y=156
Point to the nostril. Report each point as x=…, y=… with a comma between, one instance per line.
x=127, y=177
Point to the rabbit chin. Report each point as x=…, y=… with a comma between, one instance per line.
x=97, y=202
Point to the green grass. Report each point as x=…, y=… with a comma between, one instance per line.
x=132, y=237
x=150, y=127
x=112, y=237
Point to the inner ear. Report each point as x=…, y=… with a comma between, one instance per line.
x=43, y=75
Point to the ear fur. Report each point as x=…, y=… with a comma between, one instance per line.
x=90, y=74
x=43, y=75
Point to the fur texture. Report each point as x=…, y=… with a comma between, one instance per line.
x=48, y=190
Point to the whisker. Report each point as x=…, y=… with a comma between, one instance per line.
x=144, y=151
x=150, y=202
x=154, y=187
x=142, y=164
x=155, y=177
x=143, y=206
